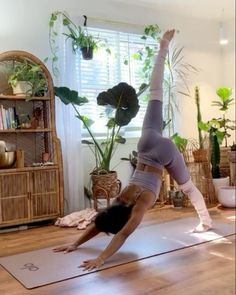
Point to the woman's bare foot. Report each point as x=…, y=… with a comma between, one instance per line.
x=166, y=38
x=201, y=228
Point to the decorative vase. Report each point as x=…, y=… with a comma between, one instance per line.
x=176, y=198
x=227, y=196
x=22, y=88
x=219, y=182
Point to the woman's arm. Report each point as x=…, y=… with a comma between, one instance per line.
x=89, y=233
x=118, y=240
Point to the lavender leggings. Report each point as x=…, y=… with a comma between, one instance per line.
x=158, y=151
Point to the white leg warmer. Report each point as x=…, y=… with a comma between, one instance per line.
x=156, y=87
x=198, y=202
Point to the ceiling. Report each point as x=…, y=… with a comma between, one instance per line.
x=202, y=9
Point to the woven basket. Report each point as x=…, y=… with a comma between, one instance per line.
x=200, y=156
x=105, y=186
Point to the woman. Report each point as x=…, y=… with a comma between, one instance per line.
x=154, y=154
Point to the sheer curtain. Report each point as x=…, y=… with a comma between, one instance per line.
x=68, y=126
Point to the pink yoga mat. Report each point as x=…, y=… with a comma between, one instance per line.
x=42, y=267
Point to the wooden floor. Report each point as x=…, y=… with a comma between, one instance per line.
x=204, y=269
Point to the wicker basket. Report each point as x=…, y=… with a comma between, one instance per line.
x=105, y=186
x=200, y=156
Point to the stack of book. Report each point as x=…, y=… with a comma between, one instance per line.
x=8, y=118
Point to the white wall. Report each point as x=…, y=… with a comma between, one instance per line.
x=24, y=26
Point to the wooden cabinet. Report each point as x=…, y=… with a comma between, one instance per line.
x=33, y=191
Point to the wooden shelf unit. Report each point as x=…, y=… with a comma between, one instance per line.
x=34, y=192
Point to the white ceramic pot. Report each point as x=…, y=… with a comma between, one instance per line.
x=218, y=182
x=227, y=196
x=22, y=88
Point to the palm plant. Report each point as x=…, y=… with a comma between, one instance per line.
x=175, y=78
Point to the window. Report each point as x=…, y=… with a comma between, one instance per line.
x=107, y=70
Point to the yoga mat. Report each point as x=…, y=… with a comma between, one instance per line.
x=42, y=267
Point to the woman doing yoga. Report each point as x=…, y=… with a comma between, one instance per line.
x=155, y=153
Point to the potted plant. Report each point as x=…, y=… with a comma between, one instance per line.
x=79, y=36
x=123, y=105
x=224, y=102
x=27, y=78
x=200, y=153
x=216, y=137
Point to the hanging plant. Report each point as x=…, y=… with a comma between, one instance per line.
x=79, y=36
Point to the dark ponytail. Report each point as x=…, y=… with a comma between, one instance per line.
x=113, y=218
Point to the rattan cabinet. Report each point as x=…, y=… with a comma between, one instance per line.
x=32, y=189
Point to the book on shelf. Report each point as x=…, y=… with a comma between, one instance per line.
x=8, y=118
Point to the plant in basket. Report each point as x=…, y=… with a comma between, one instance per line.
x=120, y=106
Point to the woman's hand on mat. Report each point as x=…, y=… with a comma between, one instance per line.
x=92, y=263
x=65, y=249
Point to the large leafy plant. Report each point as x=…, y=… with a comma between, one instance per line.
x=218, y=128
x=122, y=102
x=224, y=101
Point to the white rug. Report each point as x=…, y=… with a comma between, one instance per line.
x=42, y=267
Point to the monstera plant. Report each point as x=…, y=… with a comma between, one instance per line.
x=122, y=102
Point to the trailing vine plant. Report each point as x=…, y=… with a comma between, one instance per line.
x=176, y=73
x=79, y=36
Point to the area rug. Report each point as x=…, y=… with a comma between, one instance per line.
x=42, y=267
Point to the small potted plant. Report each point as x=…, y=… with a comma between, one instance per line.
x=27, y=78
x=216, y=137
